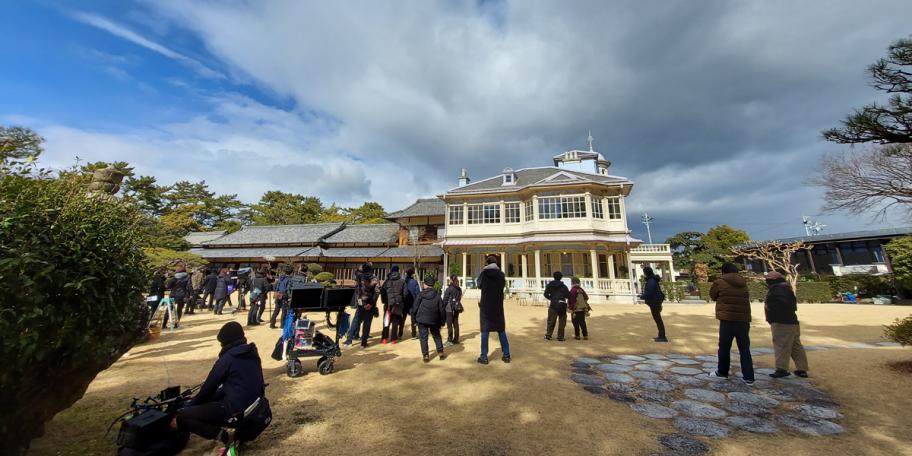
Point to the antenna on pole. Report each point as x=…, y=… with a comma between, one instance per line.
x=590, y=141
x=647, y=220
x=812, y=228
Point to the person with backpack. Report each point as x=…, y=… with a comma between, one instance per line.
x=654, y=297
x=368, y=292
x=430, y=315
x=281, y=296
x=734, y=314
x=491, y=282
x=781, y=308
x=180, y=290
x=209, y=284
x=556, y=292
x=221, y=291
x=578, y=305
x=394, y=289
x=413, y=290
x=452, y=301
x=258, y=297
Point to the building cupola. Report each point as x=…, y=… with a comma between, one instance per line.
x=509, y=176
x=464, y=178
x=585, y=161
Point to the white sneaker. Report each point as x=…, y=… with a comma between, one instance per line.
x=716, y=374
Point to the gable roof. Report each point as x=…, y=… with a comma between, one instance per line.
x=377, y=233
x=529, y=177
x=277, y=235
x=424, y=207
x=196, y=238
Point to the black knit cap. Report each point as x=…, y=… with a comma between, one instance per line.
x=729, y=268
x=230, y=333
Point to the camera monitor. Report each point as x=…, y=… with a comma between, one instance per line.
x=306, y=298
x=338, y=298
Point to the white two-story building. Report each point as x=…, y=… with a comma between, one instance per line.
x=569, y=217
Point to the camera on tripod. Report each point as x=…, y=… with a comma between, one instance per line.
x=145, y=429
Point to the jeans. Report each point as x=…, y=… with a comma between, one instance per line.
x=207, y=295
x=453, y=327
x=504, y=344
x=558, y=316
x=423, y=335
x=204, y=420
x=579, y=323
x=281, y=305
x=787, y=344
x=219, y=305
x=657, y=317
x=362, y=320
x=739, y=331
x=395, y=327
x=192, y=305
x=253, y=314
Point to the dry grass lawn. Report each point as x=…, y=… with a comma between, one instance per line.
x=384, y=400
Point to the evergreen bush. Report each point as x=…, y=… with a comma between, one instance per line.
x=900, y=331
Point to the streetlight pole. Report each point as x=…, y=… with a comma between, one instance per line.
x=647, y=220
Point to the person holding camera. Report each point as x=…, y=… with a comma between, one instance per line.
x=232, y=386
x=558, y=293
x=394, y=289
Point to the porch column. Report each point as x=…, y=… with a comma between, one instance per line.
x=465, y=267
x=630, y=273
x=537, y=267
x=611, y=266
x=593, y=257
x=446, y=264
x=525, y=265
x=503, y=262
x=671, y=270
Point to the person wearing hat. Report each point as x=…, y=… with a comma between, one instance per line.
x=430, y=314
x=734, y=314
x=781, y=308
x=234, y=383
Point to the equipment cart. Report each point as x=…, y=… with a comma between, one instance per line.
x=305, y=340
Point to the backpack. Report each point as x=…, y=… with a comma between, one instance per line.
x=660, y=295
x=179, y=290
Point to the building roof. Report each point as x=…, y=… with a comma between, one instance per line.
x=533, y=177
x=378, y=233
x=580, y=155
x=196, y=238
x=353, y=252
x=249, y=252
x=850, y=236
x=424, y=207
x=277, y=234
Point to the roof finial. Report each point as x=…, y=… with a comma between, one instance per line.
x=590, y=141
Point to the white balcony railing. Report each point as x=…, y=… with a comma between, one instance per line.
x=651, y=248
x=593, y=286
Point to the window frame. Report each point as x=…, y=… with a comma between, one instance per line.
x=453, y=210
x=510, y=206
x=598, y=211
x=530, y=210
x=614, y=207
x=562, y=207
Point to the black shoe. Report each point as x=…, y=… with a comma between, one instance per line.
x=271, y=326
x=426, y=358
x=576, y=337
x=748, y=382
x=364, y=345
x=780, y=373
x=442, y=356
x=660, y=339
x=560, y=340
x=801, y=373
x=481, y=360
x=505, y=359
x=547, y=337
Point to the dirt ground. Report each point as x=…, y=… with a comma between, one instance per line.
x=384, y=400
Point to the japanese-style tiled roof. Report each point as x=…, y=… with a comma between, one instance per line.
x=379, y=233
x=196, y=238
x=424, y=207
x=530, y=177
x=277, y=234
x=353, y=252
x=249, y=252
x=850, y=236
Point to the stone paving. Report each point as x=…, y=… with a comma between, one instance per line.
x=677, y=388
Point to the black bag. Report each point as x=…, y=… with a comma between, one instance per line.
x=277, y=351
x=254, y=422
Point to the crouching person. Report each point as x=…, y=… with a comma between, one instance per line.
x=430, y=316
x=234, y=392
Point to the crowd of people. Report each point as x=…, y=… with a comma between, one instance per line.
x=239, y=375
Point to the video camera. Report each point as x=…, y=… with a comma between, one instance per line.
x=145, y=429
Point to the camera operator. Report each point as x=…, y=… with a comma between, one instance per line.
x=234, y=384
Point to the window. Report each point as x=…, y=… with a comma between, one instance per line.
x=456, y=215
x=614, y=208
x=561, y=207
x=511, y=212
x=597, y=208
x=603, y=266
x=484, y=213
x=530, y=215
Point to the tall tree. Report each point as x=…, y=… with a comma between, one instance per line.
x=369, y=212
x=685, y=246
x=880, y=177
x=146, y=193
x=280, y=208
x=19, y=145
x=710, y=250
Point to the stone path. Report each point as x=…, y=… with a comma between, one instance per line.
x=677, y=387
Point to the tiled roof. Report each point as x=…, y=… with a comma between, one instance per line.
x=249, y=252
x=277, y=234
x=422, y=251
x=536, y=176
x=850, y=236
x=379, y=233
x=195, y=238
x=354, y=252
x=425, y=207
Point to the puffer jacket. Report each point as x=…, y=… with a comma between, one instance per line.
x=180, y=289
x=394, y=285
x=781, y=305
x=557, y=292
x=429, y=310
x=732, y=298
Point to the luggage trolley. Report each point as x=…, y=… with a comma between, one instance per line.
x=305, y=340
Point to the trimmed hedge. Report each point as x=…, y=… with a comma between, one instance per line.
x=807, y=291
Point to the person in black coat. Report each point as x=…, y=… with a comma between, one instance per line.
x=394, y=291
x=491, y=281
x=234, y=383
x=653, y=296
x=452, y=302
x=209, y=284
x=157, y=289
x=221, y=291
x=430, y=316
x=781, y=308
x=258, y=289
x=558, y=293
x=180, y=290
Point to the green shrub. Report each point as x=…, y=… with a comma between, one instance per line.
x=313, y=269
x=864, y=285
x=674, y=291
x=327, y=279
x=72, y=274
x=900, y=331
x=158, y=257
x=807, y=291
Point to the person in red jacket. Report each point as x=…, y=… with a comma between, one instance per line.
x=578, y=305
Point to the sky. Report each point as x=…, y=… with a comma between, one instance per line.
x=712, y=108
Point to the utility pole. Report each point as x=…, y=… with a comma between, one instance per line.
x=647, y=220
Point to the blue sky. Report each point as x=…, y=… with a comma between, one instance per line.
x=714, y=110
